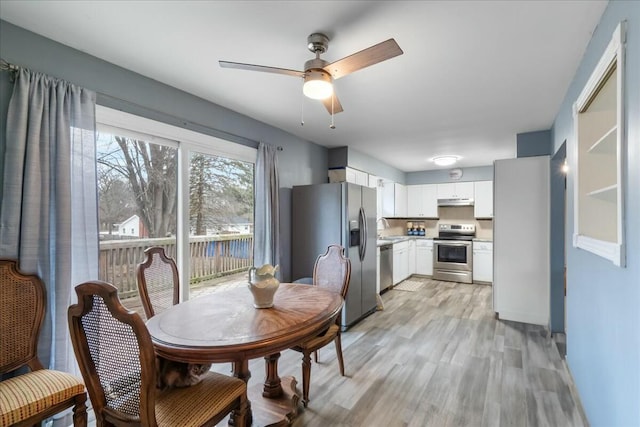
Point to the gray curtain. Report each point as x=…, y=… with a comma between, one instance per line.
x=266, y=249
x=48, y=218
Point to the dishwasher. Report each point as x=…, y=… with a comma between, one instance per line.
x=386, y=267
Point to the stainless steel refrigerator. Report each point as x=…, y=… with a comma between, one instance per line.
x=337, y=213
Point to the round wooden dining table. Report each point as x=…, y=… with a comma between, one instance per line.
x=225, y=327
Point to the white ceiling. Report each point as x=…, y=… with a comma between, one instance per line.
x=473, y=73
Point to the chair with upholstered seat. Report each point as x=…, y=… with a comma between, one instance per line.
x=118, y=363
x=332, y=272
x=36, y=395
x=158, y=281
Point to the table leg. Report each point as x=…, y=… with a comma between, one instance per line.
x=241, y=370
x=276, y=410
x=272, y=385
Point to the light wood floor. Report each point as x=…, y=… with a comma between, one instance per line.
x=437, y=357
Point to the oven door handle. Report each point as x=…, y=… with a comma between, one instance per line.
x=452, y=244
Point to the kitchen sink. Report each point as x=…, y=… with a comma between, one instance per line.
x=396, y=238
x=391, y=239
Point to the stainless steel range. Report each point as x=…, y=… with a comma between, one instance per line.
x=452, y=253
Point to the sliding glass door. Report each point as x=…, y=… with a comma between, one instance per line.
x=220, y=219
x=191, y=194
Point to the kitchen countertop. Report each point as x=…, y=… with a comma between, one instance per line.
x=389, y=240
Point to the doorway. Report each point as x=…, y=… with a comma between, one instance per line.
x=557, y=262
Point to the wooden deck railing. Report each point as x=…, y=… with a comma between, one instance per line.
x=210, y=257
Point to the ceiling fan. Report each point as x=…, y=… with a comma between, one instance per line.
x=319, y=75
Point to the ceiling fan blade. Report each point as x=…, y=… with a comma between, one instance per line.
x=337, y=107
x=263, y=68
x=359, y=60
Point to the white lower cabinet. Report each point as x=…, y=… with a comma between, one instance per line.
x=424, y=257
x=483, y=262
x=400, y=261
x=412, y=257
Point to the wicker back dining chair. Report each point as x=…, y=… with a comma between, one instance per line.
x=158, y=282
x=332, y=271
x=118, y=363
x=32, y=397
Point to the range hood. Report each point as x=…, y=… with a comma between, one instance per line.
x=455, y=202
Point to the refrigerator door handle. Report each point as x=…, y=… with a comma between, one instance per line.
x=363, y=234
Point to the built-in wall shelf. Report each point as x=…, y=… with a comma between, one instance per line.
x=608, y=194
x=600, y=155
x=606, y=144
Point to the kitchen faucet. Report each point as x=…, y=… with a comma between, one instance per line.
x=385, y=224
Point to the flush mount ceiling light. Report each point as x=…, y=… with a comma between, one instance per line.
x=317, y=84
x=445, y=160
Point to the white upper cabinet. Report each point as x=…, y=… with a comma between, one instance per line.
x=387, y=201
x=422, y=200
x=351, y=175
x=483, y=199
x=400, y=199
x=373, y=181
x=455, y=190
x=414, y=200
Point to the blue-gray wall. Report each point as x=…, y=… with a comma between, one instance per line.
x=364, y=162
x=557, y=191
x=530, y=144
x=603, y=301
x=478, y=173
x=302, y=162
x=345, y=156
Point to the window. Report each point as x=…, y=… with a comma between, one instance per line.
x=600, y=148
x=187, y=192
x=220, y=201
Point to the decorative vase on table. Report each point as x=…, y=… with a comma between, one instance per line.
x=263, y=284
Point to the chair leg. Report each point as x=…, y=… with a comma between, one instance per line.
x=306, y=377
x=338, y=342
x=242, y=416
x=80, y=411
x=315, y=356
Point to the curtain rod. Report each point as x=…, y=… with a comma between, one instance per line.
x=186, y=124
x=6, y=66
x=117, y=103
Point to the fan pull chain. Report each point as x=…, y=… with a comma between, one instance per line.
x=332, y=125
x=302, y=112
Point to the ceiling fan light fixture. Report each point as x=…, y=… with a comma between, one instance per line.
x=445, y=160
x=317, y=84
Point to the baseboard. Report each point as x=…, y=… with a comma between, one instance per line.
x=518, y=316
x=574, y=393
